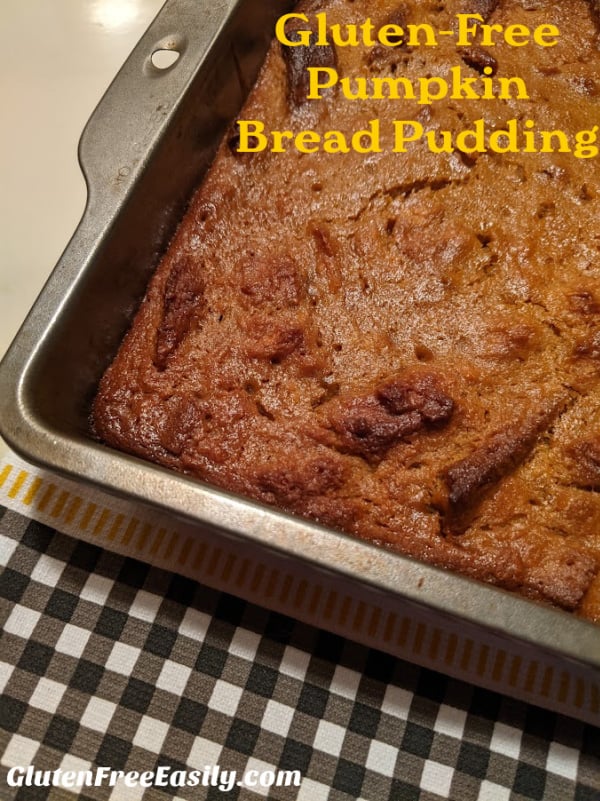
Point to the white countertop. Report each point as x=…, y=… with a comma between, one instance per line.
x=58, y=57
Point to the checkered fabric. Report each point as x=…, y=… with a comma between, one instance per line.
x=108, y=661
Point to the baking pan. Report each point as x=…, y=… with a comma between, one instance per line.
x=146, y=146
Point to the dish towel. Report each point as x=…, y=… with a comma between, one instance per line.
x=134, y=641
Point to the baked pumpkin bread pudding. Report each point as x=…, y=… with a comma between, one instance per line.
x=401, y=345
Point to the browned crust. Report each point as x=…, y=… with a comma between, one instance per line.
x=407, y=352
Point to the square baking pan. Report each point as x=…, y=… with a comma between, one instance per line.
x=145, y=148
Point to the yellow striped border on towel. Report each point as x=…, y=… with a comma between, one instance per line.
x=404, y=630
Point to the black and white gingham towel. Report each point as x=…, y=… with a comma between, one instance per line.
x=108, y=661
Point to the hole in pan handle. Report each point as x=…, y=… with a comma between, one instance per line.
x=163, y=58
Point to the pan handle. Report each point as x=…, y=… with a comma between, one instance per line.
x=115, y=149
x=125, y=127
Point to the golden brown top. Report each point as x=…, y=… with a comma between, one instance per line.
x=405, y=346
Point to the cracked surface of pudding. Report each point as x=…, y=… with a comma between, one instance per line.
x=403, y=347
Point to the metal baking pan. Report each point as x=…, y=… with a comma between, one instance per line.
x=146, y=146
